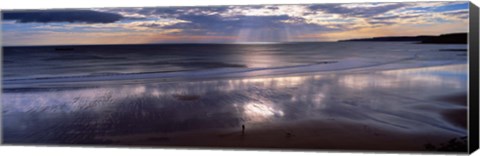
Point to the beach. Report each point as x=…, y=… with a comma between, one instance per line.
x=401, y=100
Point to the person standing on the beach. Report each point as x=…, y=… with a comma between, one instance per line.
x=243, y=129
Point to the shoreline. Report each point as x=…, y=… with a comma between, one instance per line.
x=223, y=76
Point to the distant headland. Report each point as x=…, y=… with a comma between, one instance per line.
x=453, y=38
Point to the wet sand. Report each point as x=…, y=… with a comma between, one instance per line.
x=332, y=133
x=402, y=109
x=459, y=99
x=456, y=116
x=314, y=135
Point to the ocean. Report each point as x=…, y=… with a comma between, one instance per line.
x=40, y=64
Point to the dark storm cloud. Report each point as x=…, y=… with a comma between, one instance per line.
x=71, y=16
x=202, y=24
x=171, y=12
x=216, y=24
x=244, y=21
x=216, y=21
x=358, y=11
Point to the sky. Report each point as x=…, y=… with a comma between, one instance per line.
x=231, y=24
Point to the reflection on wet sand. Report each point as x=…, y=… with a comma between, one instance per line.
x=258, y=112
x=402, y=101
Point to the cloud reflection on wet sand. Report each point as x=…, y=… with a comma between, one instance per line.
x=394, y=99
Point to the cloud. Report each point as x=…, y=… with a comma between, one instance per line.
x=298, y=11
x=462, y=14
x=70, y=16
x=262, y=23
x=224, y=20
x=276, y=28
x=154, y=26
x=203, y=24
x=227, y=20
x=394, y=17
x=165, y=12
x=357, y=11
x=148, y=25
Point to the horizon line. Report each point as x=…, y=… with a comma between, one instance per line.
x=222, y=43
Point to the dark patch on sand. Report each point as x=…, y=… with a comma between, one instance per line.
x=186, y=97
x=453, y=145
x=457, y=117
x=453, y=50
x=459, y=99
x=325, y=62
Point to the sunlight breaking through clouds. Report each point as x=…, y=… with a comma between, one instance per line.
x=232, y=24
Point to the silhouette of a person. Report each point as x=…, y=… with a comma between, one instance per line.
x=243, y=129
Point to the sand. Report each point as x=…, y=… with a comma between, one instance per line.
x=315, y=135
x=333, y=134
